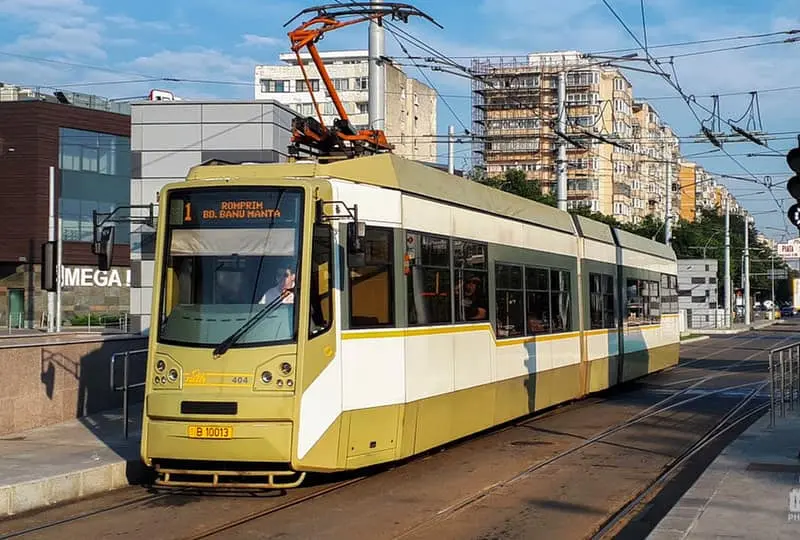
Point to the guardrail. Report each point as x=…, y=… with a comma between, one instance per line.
x=784, y=379
x=126, y=386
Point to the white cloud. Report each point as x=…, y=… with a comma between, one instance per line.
x=262, y=41
x=129, y=23
x=227, y=75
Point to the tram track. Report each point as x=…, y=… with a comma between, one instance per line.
x=730, y=421
x=648, y=413
x=297, y=498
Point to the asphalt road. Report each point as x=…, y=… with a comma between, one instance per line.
x=558, y=475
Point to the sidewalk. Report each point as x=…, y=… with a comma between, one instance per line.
x=745, y=493
x=736, y=328
x=67, y=461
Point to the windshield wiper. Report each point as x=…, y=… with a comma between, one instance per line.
x=226, y=344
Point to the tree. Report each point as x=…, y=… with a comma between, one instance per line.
x=514, y=181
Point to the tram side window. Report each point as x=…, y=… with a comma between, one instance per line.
x=669, y=294
x=510, y=301
x=471, y=291
x=560, y=300
x=371, y=284
x=537, y=301
x=321, y=313
x=428, y=278
x=601, y=301
x=644, y=303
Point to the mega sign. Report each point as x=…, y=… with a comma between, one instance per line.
x=92, y=277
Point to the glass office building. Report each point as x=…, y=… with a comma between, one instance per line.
x=95, y=176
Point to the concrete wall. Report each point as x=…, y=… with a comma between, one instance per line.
x=46, y=382
x=170, y=137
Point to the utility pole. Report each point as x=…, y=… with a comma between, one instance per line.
x=746, y=269
x=728, y=292
x=668, y=209
x=377, y=76
x=561, y=163
x=59, y=271
x=51, y=236
x=451, y=145
x=772, y=267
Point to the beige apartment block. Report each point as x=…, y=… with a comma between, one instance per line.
x=410, y=116
x=515, y=111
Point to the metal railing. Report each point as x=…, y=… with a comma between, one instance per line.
x=784, y=379
x=126, y=385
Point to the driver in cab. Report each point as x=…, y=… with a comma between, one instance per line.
x=284, y=283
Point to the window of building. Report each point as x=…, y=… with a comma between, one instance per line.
x=644, y=304
x=95, y=176
x=341, y=84
x=429, y=284
x=363, y=107
x=270, y=86
x=362, y=83
x=471, y=292
x=371, y=283
x=321, y=312
x=300, y=85
x=698, y=280
x=601, y=301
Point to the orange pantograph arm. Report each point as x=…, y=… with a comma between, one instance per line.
x=304, y=36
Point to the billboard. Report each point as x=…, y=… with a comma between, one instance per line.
x=789, y=250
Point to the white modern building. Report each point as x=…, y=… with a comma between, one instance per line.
x=698, y=292
x=170, y=137
x=410, y=116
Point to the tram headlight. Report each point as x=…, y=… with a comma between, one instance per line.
x=172, y=375
x=161, y=366
x=289, y=382
x=266, y=377
x=279, y=383
x=286, y=368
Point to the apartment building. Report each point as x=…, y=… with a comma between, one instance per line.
x=410, y=116
x=620, y=166
x=656, y=157
x=698, y=190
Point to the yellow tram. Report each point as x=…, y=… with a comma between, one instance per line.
x=323, y=317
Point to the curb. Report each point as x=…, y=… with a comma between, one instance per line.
x=40, y=493
x=694, y=339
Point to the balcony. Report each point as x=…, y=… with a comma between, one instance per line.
x=622, y=189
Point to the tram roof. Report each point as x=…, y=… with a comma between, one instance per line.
x=394, y=172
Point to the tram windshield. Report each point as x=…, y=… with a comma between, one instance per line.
x=229, y=253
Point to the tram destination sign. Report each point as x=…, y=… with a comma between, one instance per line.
x=234, y=208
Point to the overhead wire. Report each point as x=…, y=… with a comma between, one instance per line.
x=656, y=66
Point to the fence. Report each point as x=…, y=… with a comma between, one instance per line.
x=784, y=380
x=91, y=322
x=126, y=386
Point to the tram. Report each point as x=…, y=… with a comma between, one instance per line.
x=359, y=308
x=325, y=317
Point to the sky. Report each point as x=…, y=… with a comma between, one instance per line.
x=121, y=49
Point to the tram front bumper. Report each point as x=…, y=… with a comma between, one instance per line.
x=196, y=440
